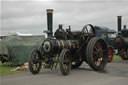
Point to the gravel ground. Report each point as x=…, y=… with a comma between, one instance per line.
x=116, y=73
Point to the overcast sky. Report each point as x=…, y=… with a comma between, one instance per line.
x=29, y=16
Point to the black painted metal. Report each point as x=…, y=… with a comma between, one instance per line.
x=49, y=22
x=119, y=24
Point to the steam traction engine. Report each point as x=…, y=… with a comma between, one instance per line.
x=69, y=49
x=121, y=41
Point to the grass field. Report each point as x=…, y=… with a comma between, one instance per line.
x=116, y=57
x=5, y=69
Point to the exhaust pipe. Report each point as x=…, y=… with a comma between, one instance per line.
x=49, y=23
x=119, y=18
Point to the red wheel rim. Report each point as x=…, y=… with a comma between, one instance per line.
x=110, y=54
x=98, y=54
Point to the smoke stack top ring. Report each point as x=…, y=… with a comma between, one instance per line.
x=49, y=10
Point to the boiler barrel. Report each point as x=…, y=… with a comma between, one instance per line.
x=121, y=42
x=54, y=46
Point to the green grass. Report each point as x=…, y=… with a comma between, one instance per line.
x=115, y=57
x=5, y=69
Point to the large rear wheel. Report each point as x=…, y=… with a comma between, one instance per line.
x=97, y=53
x=65, y=62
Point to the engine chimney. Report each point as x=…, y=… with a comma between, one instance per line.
x=119, y=18
x=49, y=22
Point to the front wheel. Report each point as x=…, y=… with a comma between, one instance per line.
x=97, y=53
x=35, y=62
x=124, y=54
x=65, y=61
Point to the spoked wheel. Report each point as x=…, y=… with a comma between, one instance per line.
x=97, y=53
x=35, y=62
x=88, y=29
x=65, y=62
x=110, y=54
x=124, y=54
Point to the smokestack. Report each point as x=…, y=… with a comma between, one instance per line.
x=49, y=22
x=119, y=23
